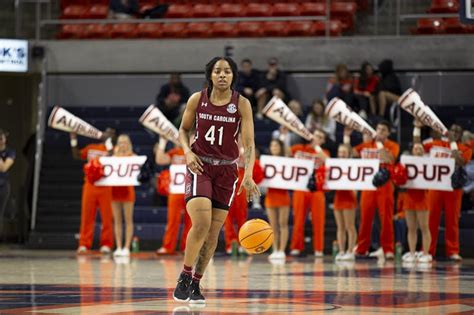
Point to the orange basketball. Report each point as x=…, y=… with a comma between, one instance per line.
x=256, y=236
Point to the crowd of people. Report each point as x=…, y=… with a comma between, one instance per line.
x=368, y=93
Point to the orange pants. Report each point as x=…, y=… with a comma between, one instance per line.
x=451, y=202
x=237, y=214
x=93, y=197
x=176, y=206
x=382, y=199
x=316, y=201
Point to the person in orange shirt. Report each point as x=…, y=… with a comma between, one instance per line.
x=438, y=146
x=383, y=197
x=123, y=197
x=93, y=196
x=417, y=215
x=176, y=203
x=277, y=203
x=345, y=205
x=316, y=201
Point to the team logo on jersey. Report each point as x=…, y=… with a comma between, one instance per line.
x=231, y=108
x=204, y=104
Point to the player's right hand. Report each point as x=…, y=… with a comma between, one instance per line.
x=194, y=163
x=417, y=123
x=73, y=135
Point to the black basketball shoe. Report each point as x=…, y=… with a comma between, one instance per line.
x=195, y=296
x=181, y=293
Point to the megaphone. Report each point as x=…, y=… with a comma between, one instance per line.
x=278, y=111
x=61, y=119
x=154, y=120
x=340, y=112
x=411, y=102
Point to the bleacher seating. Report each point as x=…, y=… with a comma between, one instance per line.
x=342, y=12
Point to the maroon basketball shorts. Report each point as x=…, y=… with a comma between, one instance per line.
x=217, y=182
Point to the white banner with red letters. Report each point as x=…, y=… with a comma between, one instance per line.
x=350, y=174
x=177, y=176
x=428, y=173
x=286, y=173
x=121, y=170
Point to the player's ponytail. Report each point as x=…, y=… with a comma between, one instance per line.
x=210, y=67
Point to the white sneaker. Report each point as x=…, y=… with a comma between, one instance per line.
x=455, y=257
x=377, y=253
x=118, y=252
x=425, y=258
x=408, y=254
x=295, y=252
x=273, y=255
x=348, y=256
x=281, y=255
x=318, y=254
x=82, y=250
x=125, y=252
x=389, y=256
x=410, y=258
x=339, y=256
x=418, y=254
x=105, y=250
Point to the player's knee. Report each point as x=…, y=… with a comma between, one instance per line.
x=201, y=228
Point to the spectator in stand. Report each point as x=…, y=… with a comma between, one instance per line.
x=7, y=158
x=123, y=197
x=248, y=82
x=273, y=83
x=340, y=85
x=124, y=9
x=317, y=119
x=172, y=98
x=388, y=88
x=364, y=89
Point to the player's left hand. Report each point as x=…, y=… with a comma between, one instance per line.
x=251, y=188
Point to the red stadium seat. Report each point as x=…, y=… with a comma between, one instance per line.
x=276, y=28
x=232, y=10
x=344, y=11
x=301, y=28
x=97, y=11
x=250, y=29
x=149, y=30
x=74, y=12
x=259, y=9
x=444, y=6
x=201, y=30
x=220, y=29
x=66, y=3
x=176, y=11
x=454, y=26
x=430, y=26
x=335, y=28
x=286, y=9
x=97, y=30
x=123, y=30
x=177, y=30
x=205, y=10
x=311, y=8
x=71, y=31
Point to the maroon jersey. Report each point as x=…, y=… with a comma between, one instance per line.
x=217, y=128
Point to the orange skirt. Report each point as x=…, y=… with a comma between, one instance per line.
x=123, y=193
x=345, y=200
x=416, y=200
x=277, y=198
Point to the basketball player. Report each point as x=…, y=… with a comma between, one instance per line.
x=441, y=147
x=95, y=195
x=382, y=198
x=211, y=178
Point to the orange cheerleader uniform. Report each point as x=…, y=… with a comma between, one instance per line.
x=416, y=200
x=277, y=198
x=345, y=200
x=123, y=193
